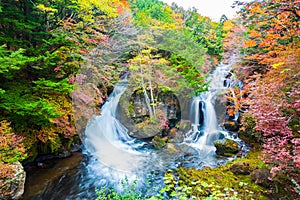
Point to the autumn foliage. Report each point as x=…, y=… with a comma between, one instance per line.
x=11, y=146
x=271, y=71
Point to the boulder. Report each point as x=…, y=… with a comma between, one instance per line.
x=227, y=148
x=145, y=132
x=241, y=168
x=134, y=113
x=13, y=181
x=176, y=136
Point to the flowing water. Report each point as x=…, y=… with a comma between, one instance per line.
x=113, y=155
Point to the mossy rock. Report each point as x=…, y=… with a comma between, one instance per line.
x=145, y=132
x=247, y=131
x=227, y=148
x=158, y=142
x=184, y=126
x=241, y=168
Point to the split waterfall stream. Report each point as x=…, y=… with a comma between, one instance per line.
x=112, y=155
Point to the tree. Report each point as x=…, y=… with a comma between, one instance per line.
x=271, y=59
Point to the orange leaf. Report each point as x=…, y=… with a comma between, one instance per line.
x=254, y=34
x=249, y=43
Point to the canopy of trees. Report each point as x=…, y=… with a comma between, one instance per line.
x=56, y=44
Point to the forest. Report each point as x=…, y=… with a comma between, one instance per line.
x=62, y=59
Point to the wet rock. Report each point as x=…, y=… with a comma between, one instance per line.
x=176, y=136
x=261, y=177
x=220, y=108
x=227, y=148
x=144, y=132
x=171, y=148
x=242, y=168
x=188, y=150
x=184, y=126
x=12, y=185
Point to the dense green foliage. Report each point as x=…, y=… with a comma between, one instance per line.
x=41, y=58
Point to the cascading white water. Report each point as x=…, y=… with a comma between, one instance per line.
x=116, y=154
x=108, y=140
x=207, y=130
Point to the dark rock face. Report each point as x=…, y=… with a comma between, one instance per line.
x=134, y=113
x=227, y=148
x=242, y=168
x=13, y=187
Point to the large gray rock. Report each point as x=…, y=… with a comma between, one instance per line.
x=134, y=113
x=227, y=148
x=12, y=185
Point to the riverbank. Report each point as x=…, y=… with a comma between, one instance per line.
x=39, y=179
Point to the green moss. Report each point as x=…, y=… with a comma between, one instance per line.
x=158, y=143
x=218, y=183
x=227, y=148
x=247, y=131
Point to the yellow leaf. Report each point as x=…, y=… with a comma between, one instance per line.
x=276, y=65
x=228, y=25
x=285, y=70
x=42, y=7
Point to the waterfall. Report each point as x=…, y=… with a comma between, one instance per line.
x=108, y=141
x=205, y=128
x=116, y=155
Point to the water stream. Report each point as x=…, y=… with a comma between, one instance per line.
x=113, y=155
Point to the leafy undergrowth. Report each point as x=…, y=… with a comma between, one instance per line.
x=209, y=183
x=216, y=183
x=242, y=178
